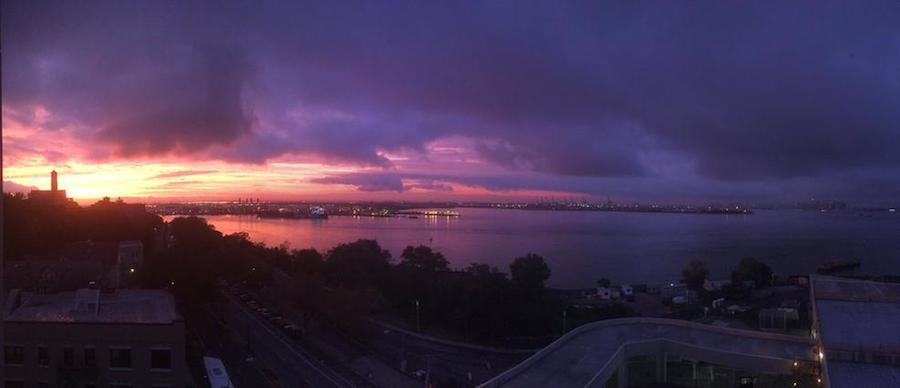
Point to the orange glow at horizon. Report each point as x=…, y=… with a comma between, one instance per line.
x=86, y=178
x=158, y=182
x=161, y=182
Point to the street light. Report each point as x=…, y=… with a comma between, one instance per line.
x=418, y=318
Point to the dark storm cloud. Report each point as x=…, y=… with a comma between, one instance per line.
x=128, y=74
x=389, y=181
x=366, y=182
x=431, y=185
x=761, y=92
x=183, y=109
x=859, y=186
x=401, y=182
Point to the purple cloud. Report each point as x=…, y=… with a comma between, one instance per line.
x=365, y=182
x=757, y=97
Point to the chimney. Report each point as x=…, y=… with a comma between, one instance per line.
x=53, y=186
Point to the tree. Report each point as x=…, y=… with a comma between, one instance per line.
x=360, y=264
x=603, y=282
x=194, y=233
x=754, y=270
x=478, y=269
x=695, y=274
x=308, y=261
x=193, y=263
x=310, y=296
x=529, y=273
x=423, y=260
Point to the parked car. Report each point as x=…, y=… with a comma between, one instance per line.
x=293, y=331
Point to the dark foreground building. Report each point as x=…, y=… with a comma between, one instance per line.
x=128, y=338
x=854, y=342
x=857, y=331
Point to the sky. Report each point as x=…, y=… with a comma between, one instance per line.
x=710, y=101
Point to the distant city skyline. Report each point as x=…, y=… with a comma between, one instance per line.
x=454, y=102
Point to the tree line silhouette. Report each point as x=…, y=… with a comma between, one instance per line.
x=341, y=286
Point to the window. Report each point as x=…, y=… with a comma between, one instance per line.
x=160, y=359
x=120, y=358
x=43, y=356
x=90, y=357
x=68, y=356
x=14, y=355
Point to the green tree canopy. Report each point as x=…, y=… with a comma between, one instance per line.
x=695, y=274
x=308, y=260
x=362, y=263
x=529, y=274
x=754, y=270
x=423, y=260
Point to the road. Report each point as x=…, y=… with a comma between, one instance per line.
x=227, y=344
x=347, y=356
x=444, y=361
x=393, y=356
x=287, y=364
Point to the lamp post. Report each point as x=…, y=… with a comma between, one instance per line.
x=418, y=318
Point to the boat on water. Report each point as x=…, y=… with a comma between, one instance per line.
x=314, y=212
x=838, y=265
x=430, y=213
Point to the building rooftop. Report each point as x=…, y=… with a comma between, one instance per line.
x=92, y=306
x=856, y=314
x=835, y=288
x=852, y=374
x=856, y=320
x=856, y=325
x=580, y=356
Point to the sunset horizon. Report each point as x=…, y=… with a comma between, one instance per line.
x=450, y=194
x=539, y=102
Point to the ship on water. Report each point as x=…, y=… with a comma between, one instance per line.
x=313, y=212
x=430, y=213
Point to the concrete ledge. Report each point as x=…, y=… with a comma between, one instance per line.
x=463, y=345
x=644, y=336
